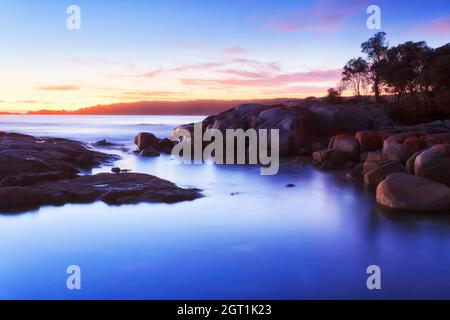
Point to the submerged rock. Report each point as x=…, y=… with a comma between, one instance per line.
x=113, y=189
x=409, y=192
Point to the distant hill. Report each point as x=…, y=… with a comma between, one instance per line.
x=194, y=107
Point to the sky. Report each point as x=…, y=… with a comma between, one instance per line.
x=192, y=49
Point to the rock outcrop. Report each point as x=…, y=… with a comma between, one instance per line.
x=301, y=124
x=113, y=189
x=21, y=154
x=45, y=171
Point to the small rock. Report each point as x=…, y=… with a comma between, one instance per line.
x=116, y=170
x=146, y=140
x=290, y=185
x=166, y=146
x=103, y=143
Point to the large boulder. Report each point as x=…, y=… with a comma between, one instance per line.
x=345, y=143
x=413, y=193
x=381, y=170
x=401, y=146
x=434, y=164
x=369, y=140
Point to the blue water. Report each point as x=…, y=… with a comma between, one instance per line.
x=266, y=242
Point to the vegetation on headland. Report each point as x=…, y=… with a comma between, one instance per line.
x=410, y=74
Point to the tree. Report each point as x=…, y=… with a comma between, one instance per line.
x=436, y=75
x=334, y=96
x=375, y=48
x=356, y=75
x=402, y=70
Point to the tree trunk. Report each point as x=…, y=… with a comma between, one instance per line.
x=376, y=88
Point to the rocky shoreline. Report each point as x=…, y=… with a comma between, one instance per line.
x=48, y=171
x=407, y=167
x=402, y=163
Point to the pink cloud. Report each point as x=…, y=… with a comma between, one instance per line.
x=212, y=66
x=246, y=74
x=326, y=16
x=68, y=87
x=331, y=75
x=235, y=51
x=440, y=25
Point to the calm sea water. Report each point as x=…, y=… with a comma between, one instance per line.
x=266, y=242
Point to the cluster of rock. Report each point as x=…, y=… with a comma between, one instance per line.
x=148, y=145
x=301, y=124
x=358, y=137
x=45, y=171
x=408, y=165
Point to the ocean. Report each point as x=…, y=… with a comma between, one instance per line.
x=249, y=237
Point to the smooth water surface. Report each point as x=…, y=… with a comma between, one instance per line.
x=250, y=237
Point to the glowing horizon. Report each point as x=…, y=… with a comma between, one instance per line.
x=185, y=50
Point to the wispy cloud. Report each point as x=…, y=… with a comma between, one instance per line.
x=261, y=80
x=325, y=16
x=235, y=51
x=68, y=87
x=27, y=101
x=211, y=66
x=439, y=26
x=145, y=94
x=94, y=61
x=189, y=45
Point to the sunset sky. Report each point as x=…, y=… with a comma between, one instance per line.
x=191, y=49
